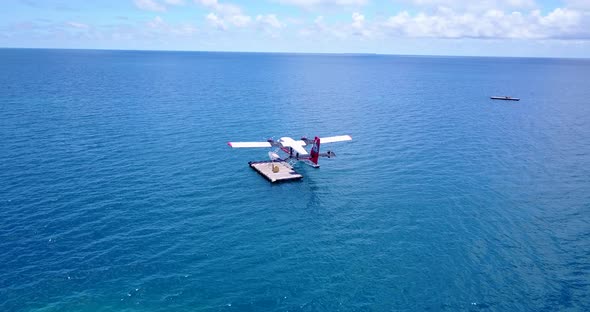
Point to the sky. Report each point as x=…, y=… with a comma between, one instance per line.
x=536, y=28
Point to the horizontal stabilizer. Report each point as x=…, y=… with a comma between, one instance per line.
x=249, y=144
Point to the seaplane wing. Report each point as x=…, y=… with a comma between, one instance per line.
x=249, y=144
x=338, y=138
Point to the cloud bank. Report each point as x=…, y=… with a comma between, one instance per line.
x=352, y=23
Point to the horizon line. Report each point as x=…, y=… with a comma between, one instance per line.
x=296, y=53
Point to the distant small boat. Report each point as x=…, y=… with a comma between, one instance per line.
x=505, y=98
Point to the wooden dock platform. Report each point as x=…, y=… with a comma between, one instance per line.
x=285, y=172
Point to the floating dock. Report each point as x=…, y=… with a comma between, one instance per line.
x=284, y=173
x=505, y=98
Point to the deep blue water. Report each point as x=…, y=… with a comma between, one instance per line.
x=118, y=191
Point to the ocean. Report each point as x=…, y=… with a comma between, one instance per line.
x=118, y=191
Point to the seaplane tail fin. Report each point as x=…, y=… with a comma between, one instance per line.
x=315, y=151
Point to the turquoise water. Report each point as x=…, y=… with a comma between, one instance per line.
x=118, y=191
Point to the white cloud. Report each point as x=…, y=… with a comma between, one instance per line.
x=221, y=8
x=207, y=3
x=320, y=30
x=270, y=20
x=446, y=23
x=78, y=25
x=156, y=5
x=323, y=3
x=157, y=22
x=475, y=6
x=225, y=14
x=318, y=26
x=357, y=20
x=159, y=26
x=578, y=4
x=559, y=24
x=149, y=5
x=215, y=21
x=240, y=20
x=359, y=26
x=270, y=25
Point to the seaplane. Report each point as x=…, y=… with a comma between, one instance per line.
x=294, y=150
